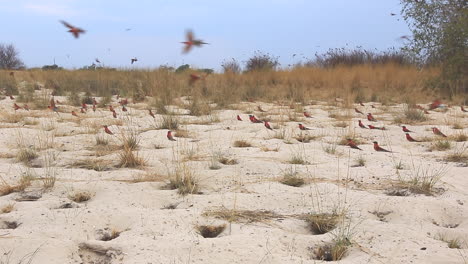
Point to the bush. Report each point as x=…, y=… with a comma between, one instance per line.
x=262, y=62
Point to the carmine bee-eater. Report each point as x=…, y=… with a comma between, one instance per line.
x=352, y=144
x=151, y=113
x=94, y=101
x=436, y=131
x=370, y=117
x=84, y=106
x=411, y=139
x=361, y=125
x=361, y=104
x=111, y=108
x=253, y=119
x=239, y=118
x=133, y=60
x=190, y=42
x=302, y=127
x=107, y=130
x=378, y=148
x=406, y=130
x=463, y=109
x=82, y=110
x=267, y=125
x=124, y=108
x=114, y=114
x=94, y=108
x=74, y=30
x=169, y=136
x=123, y=101
x=12, y=98
x=26, y=107
x=374, y=127
x=16, y=107
x=357, y=111
x=307, y=115
x=259, y=108
x=74, y=113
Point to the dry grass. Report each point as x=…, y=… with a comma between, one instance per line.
x=130, y=159
x=242, y=216
x=7, y=208
x=26, y=155
x=242, y=144
x=23, y=183
x=458, y=155
x=92, y=164
x=459, y=137
x=451, y=243
x=170, y=122
x=322, y=223
x=149, y=176
x=80, y=196
x=210, y=231
x=440, y=145
x=181, y=133
x=332, y=252
x=183, y=178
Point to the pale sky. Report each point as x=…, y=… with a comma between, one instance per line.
x=234, y=29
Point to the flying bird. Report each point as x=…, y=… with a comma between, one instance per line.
x=191, y=41
x=370, y=117
x=392, y=14
x=169, y=136
x=302, y=127
x=107, y=130
x=406, y=129
x=97, y=60
x=357, y=111
x=436, y=131
x=74, y=30
x=378, y=148
x=361, y=125
x=239, y=118
x=132, y=60
x=267, y=125
x=352, y=144
x=411, y=139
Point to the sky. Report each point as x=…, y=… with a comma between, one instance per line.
x=233, y=29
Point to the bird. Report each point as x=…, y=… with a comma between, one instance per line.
x=361, y=104
x=302, y=127
x=373, y=106
x=111, y=108
x=169, y=136
x=123, y=101
x=151, y=113
x=435, y=104
x=463, y=109
x=378, y=148
x=74, y=30
x=124, y=108
x=107, y=130
x=193, y=78
x=16, y=107
x=53, y=108
x=12, y=98
x=352, y=144
x=12, y=74
x=406, y=129
x=392, y=14
x=114, y=114
x=97, y=60
x=94, y=101
x=239, y=118
x=374, y=127
x=357, y=111
x=259, y=108
x=307, y=115
x=361, y=125
x=94, y=108
x=253, y=119
x=436, y=131
x=267, y=125
x=84, y=106
x=411, y=139
x=132, y=60
x=370, y=117
x=82, y=110
x=191, y=41
x=26, y=107
x=74, y=113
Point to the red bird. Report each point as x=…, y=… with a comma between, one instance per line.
x=12, y=98
x=94, y=101
x=191, y=42
x=463, y=109
x=361, y=125
x=378, y=148
x=374, y=127
x=436, y=131
x=169, y=136
x=372, y=106
x=74, y=113
x=26, y=107
x=253, y=119
x=111, y=108
x=82, y=111
x=84, y=106
x=107, y=130
x=151, y=113
x=352, y=144
x=357, y=111
x=370, y=117
x=410, y=139
x=301, y=127
x=267, y=125
x=124, y=101
x=124, y=108
x=94, y=108
x=16, y=107
x=194, y=77
x=74, y=30
x=307, y=115
x=114, y=114
x=133, y=60
x=406, y=129
x=239, y=118
x=435, y=104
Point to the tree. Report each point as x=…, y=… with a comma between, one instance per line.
x=9, y=59
x=231, y=66
x=440, y=37
x=261, y=62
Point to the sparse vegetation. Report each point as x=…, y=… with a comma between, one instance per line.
x=440, y=145
x=130, y=159
x=183, y=178
x=80, y=196
x=7, y=208
x=242, y=144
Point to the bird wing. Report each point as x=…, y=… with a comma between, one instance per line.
x=189, y=35
x=66, y=24
x=187, y=48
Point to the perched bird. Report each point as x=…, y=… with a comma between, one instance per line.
x=361, y=125
x=411, y=139
x=374, y=127
x=84, y=106
x=74, y=113
x=253, y=119
x=94, y=108
x=132, y=60
x=169, y=136
x=361, y=104
x=267, y=125
x=151, y=113
x=435, y=104
x=372, y=106
x=436, y=131
x=107, y=130
x=193, y=78
x=16, y=107
x=302, y=127
x=111, y=108
x=123, y=101
x=370, y=117
x=26, y=107
x=239, y=118
x=352, y=144
x=114, y=114
x=94, y=101
x=74, y=30
x=307, y=115
x=357, y=111
x=82, y=110
x=191, y=42
x=12, y=98
x=406, y=129
x=378, y=148
x=124, y=108
x=463, y=109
